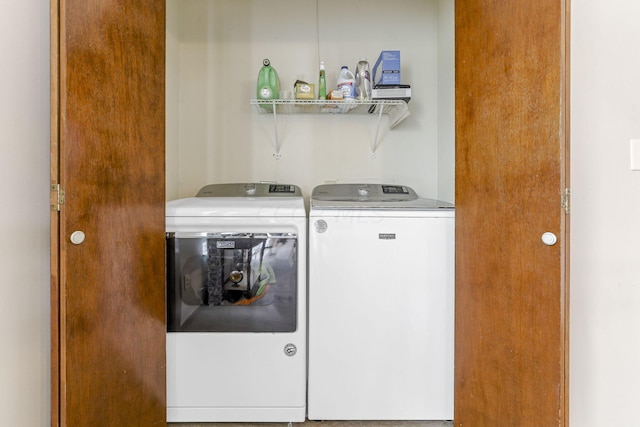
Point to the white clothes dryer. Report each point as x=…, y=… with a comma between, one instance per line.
x=236, y=304
x=381, y=304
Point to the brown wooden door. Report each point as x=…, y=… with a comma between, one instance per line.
x=108, y=316
x=511, y=171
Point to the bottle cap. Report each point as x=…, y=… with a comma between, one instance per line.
x=266, y=62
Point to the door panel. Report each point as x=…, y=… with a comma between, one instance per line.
x=510, y=175
x=381, y=317
x=109, y=297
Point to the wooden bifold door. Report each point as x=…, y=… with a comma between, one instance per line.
x=511, y=190
x=108, y=291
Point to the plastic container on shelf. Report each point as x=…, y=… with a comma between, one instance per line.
x=268, y=82
x=363, y=80
x=347, y=83
x=322, y=82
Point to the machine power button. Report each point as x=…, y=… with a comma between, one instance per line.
x=290, y=349
x=320, y=226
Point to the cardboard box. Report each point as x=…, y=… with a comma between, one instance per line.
x=386, y=71
x=304, y=90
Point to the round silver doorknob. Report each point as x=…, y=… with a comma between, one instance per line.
x=549, y=238
x=77, y=237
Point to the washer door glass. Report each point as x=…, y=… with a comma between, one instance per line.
x=231, y=282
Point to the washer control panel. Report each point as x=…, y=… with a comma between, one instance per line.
x=364, y=192
x=395, y=189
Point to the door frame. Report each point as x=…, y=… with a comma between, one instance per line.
x=56, y=199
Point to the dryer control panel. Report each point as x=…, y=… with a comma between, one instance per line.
x=250, y=189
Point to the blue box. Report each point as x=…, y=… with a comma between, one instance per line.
x=390, y=75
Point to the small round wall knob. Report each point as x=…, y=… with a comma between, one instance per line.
x=77, y=237
x=549, y=238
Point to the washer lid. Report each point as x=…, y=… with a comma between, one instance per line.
x=371, y=196
x=250, y=189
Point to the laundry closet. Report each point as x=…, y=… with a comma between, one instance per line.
x=215, y=49
x=218, y=133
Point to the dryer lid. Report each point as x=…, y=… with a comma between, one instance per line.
x=241, y=200
x=371, y=196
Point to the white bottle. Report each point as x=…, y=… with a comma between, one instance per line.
x=363, y=80
x=347, y=83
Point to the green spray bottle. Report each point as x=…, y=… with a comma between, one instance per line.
x=322, y=82
x=268, y=83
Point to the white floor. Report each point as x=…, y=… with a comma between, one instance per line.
x=327, y=424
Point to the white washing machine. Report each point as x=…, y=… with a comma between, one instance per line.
x=236, y=305
x=381, y=304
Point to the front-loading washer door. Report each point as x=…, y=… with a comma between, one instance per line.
x=231, y=282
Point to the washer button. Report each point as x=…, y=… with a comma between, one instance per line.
x=320, y=226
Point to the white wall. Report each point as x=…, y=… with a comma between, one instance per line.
x=605, y=214
x=216, y=51
x=605, y=274
x=446, y=101
x=24, y=217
